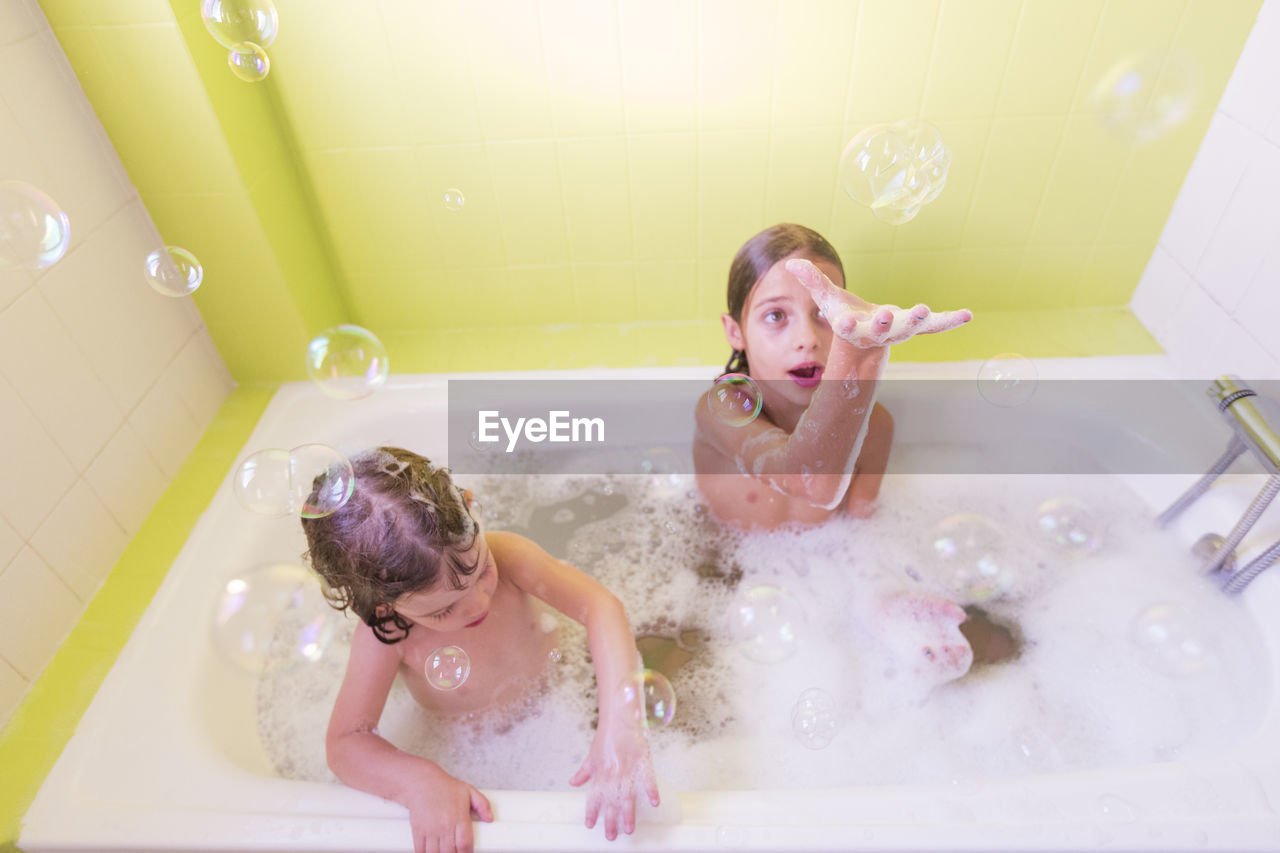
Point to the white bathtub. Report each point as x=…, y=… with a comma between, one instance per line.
x=167, y=755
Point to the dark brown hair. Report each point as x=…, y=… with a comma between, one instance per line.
x=757, y=256
x=405, y=519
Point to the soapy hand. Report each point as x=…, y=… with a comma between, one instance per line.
x=618, y=767
x=863, y=324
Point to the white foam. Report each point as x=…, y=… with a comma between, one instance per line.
x=1080, y=695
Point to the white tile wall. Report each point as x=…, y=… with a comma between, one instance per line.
x=105, y=385
x=1211, y=292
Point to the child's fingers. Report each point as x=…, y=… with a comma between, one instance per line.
x=462, y=841
x=629, y=815
x=946, y=321
x=611, y=821
x=583, y=774
x=810, y=276
x=593, y=809
x=480, y=805
x=651, y=788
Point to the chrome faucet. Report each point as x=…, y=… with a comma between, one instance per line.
x=1250, y=431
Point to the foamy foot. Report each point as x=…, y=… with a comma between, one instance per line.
x=915, y=645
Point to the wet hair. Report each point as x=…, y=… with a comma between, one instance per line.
x=757, y=256
x=402, y=529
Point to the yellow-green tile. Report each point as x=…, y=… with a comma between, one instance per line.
x=891, y=56
x=605, y=293
x=731, y=166
x=967, y=63
x=1015, y=169
x=734, y=84
x=659, y=51
x=802, y=169
x=583, y=66
x=812, y=62
x=508, y=69
x=597, y=201
x=469, y=235
x=428, y=45
x=526, y=181
x=664, y=195
x=1049, y=49
x=666, y=291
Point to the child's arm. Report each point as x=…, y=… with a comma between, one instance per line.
x=440, y=806
x=618, y=762
x=815, y=460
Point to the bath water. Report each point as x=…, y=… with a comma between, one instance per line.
x=1118, y=655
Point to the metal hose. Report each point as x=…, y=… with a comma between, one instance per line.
x=1234, y=449
x=1259, y=505
x=1245, y=575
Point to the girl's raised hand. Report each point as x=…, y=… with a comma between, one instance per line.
x=863, y=324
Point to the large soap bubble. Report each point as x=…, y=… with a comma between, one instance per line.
x=1143, y=96
x=1008, y=379
x=34, y=230
x=765, y=622
x=347, y=362
x=311, y=480
x=233, y=22
x=1067, y=524
x=736, y=399
x=447, y=667
x=649, y=696
x=895, y=169
x=1170, y=641
x=173, y=271
x=272, y=618
x=813, y=719
x=970, y=548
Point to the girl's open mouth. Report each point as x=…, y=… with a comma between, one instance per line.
x=806, y=375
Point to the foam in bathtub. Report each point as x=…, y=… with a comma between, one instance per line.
x=1077, y=695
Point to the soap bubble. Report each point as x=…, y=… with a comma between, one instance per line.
x=666, y=471
x=173, y=271
x=447, y=667
x=347, y=362
x=1068, y=524
x=34, y=230
x=454, y=199
x=969, y=547
x=1170, y=642
x=232, y=22
x=735, y=399
x=813, y=718
x=650, y=698
x=895, y=169
x=765, y=622
x=262, y=483
x=249, y=62
x=474, y=442
x=322, y=479
x=312, y=480
x=273, y=617
x=1144, y=96
x=1007, y=379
